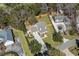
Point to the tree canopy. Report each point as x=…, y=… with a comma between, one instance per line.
x=35, y=47
x=57, y=36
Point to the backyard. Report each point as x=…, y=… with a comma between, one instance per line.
x=49, y=38
x=24, y=43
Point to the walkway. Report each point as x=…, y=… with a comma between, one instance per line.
x=53, y=23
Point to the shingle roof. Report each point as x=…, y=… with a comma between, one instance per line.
x=40, y=26
x=60, y=18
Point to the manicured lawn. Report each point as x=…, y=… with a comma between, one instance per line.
x=74, y=50
x=25, y=46
x=50, y=28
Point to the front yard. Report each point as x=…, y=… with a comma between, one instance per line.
x=49, y=38
x=20, y=34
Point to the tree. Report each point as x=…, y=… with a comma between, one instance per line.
x=35, y=47
x=77, y=6
x=57, y=36
x=52, y=6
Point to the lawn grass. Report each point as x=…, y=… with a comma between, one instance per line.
x=23, y=40
x=50, y=28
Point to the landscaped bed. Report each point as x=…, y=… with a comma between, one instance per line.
x=49, y=38
x=74, y=50
x=20, y=34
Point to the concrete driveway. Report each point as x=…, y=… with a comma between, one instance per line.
x=16, y=48
x=64, y=47
x=67, y=45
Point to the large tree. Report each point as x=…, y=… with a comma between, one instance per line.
x=35, y=47
x=57, y=36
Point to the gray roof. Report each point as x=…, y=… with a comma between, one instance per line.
x=40, y=26
x=60, y=18
x=6, y=35
x=34, y=29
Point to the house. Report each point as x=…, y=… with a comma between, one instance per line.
x=6, y=37
x=39, y=31
x=62, y=22
x=40, y=28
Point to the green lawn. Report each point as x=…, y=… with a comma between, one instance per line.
x=25, y=46
x=50, y=28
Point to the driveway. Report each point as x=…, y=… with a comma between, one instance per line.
x=64, y=47
x=16, y=48
x=67, y=45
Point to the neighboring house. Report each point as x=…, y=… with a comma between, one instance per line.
x=40, y=28
x=6, y=37
x=62, y=22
